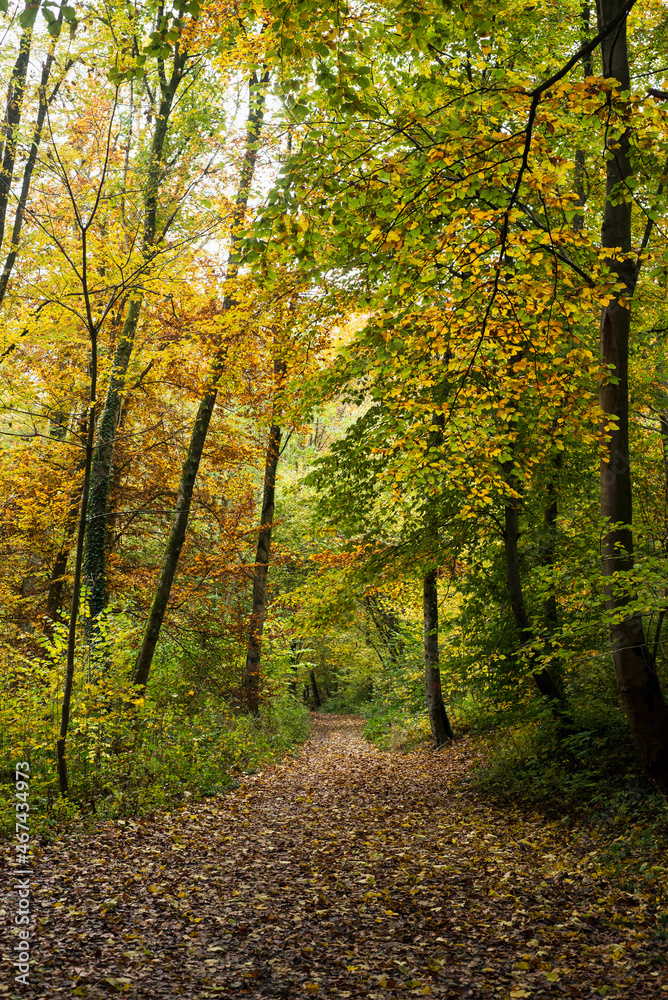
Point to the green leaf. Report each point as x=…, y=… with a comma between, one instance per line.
x=27, y=16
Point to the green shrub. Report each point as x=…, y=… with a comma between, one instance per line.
x=128, y=753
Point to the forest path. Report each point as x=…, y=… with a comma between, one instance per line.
x=345, y=872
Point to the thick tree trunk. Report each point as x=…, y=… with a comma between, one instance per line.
x=438, y=718
x=205, y=411
x=635, y=670
x=258, y=614
x=511, y=533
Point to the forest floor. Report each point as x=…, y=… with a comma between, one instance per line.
x=343, y=872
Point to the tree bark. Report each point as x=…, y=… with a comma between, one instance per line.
x=57, y=579
x=96, y=547
x=92, y=330
x=663, y=426
x=14, y=109
x=387, y=626
x=548, y=550
x=441, y=729
x=317, y=701
x=29, y=168
x=258, y=614
x=205, y=410
x=296, y=654
x=635, y=669
x=547, y=557
x=541, y=675
x=438, y=718
x=76, y=583
x=102, y=471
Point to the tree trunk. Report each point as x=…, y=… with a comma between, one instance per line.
x=28, y=170
x=57, y=580
x=314, y=688
x=14, y=109
x=296, y=654
x=254, y=649
x=96, y=546
x=635, y=669
x=663, y=425
x=387, y=625
x=548, y=550
x=511, y=533
x=205, y=410
x=547, y=557
x=438, y=718
x=76, y=583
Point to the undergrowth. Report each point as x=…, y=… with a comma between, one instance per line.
x=129, y=754
x=582, y=773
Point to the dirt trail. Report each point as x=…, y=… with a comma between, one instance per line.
x=346, y=872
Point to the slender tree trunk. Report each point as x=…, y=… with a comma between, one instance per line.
x=76, y=583
x=387, y=626
x=57, y=580
x=92, y=329
x=317, y=701
x=14, y=109
x=296, y=654
x=548, y=556
x=438, y=718
x=258, y=614
x=29, y=168
x=549, y=545
x=96, y=545
x=548, y=553
x=635, y=669
x=663, y=424
x=541, y=675
x=206, y=406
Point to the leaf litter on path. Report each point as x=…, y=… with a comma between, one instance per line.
x=346, y=872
